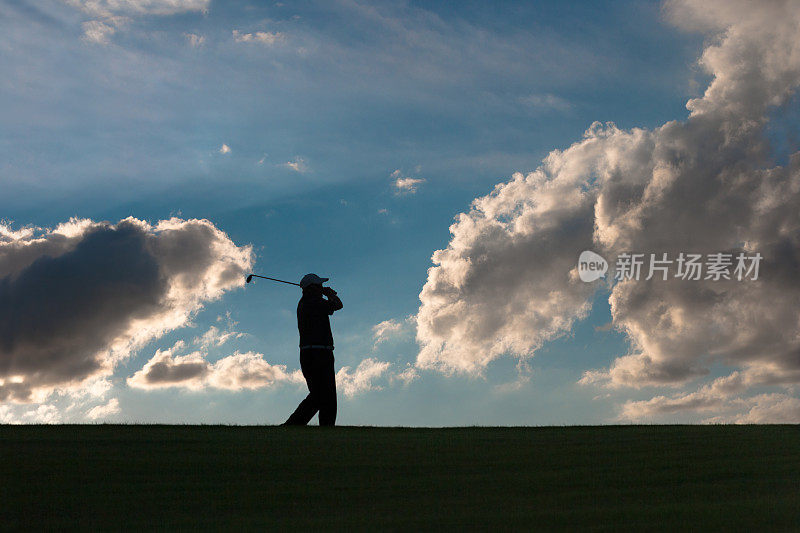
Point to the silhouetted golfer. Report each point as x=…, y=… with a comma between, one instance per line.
x=316, y=352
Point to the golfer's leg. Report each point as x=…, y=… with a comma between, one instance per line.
x=327, y=391
x=304, y=412
x=309, y=406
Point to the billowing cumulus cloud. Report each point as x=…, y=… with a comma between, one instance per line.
x=507, y=282
x=77, y=299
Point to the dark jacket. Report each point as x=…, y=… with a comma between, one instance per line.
x=312, y=319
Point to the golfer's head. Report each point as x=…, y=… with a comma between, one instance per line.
x=312, y=284
x=312, y=289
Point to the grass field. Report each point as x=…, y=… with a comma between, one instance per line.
x=597, y=478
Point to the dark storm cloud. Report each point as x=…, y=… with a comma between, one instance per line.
x=77, y=299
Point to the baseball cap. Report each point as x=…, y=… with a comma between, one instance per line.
x=311, y=279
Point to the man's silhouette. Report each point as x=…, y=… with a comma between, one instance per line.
x=316, y=352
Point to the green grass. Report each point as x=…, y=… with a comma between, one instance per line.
x=595, y=478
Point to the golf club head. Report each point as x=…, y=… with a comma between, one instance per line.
x=249, y=278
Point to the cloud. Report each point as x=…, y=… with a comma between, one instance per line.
x=404, y=184
x=104, y=411
x=390, y=329
x=711, y=397
x=95, y=31
x=192, y=371
x=194, y=39
x=78, y=299
x=165, y=369
x=298, y=165
x=7, y=234
x=361, y=379
x=262, y=37
x=524, y=372
x=216, y=337
x=407, y=376
x=112, y=15
x=722, y=396
x=545, y=102
x=507, y=281
x=224, y=149
x=771, y=409
x=408, y=185
x=107, y=8
x=386, y=329
x=41, y=414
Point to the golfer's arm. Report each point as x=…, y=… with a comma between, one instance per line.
x=335, y=302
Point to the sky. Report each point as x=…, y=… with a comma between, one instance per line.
x=445, y=164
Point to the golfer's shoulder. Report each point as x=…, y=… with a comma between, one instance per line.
x=309, y=304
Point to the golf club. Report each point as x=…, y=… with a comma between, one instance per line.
x=251, y=276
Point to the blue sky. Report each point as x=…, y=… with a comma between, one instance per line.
x=293, y=139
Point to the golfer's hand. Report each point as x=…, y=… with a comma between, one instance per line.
x=327, y=291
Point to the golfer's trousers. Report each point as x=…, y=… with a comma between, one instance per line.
x=317, y=367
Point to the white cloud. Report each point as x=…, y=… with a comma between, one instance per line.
x=113, y=15
x=262, y=37
x=391, y=329
x=224, y=149
x=386, y=329
x=524, y=373
x=249, y=371
x=7, y=234
x=405, y=184
x=298, y=165
x=129, y=283
x=108, y=8
x=104, y=411
x=95, y=31
x=41, y=414
x=408, y=185
x=361, y=379
x=194, y=39
x=507, y=281
x=216, y=337
x=407, y=376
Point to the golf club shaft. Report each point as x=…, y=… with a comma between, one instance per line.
x=274, y=279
